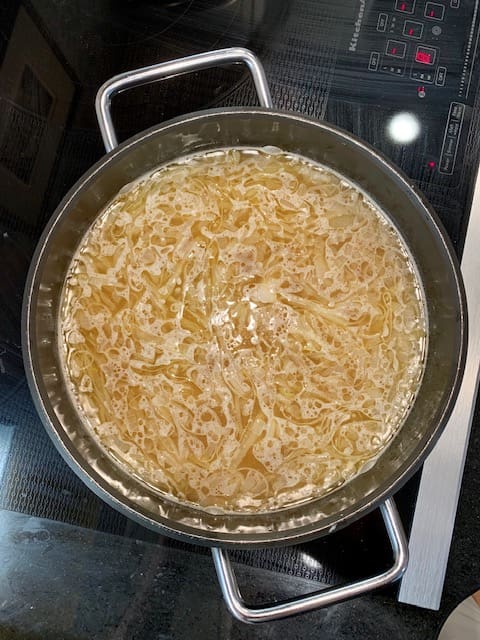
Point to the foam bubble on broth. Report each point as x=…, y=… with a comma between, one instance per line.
x=243, y=330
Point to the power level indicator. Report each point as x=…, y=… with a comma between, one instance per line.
x=413, y=29
x=396, y=48
x=434, y=11
x=405, y=6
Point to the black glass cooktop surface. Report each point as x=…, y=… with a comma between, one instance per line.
x=402, y=75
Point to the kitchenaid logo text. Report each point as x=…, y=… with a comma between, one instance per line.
x=358, y=25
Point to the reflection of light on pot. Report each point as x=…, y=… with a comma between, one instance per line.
x=310, y=562
x=403, y=127
x=464, y=621
x=6, y=435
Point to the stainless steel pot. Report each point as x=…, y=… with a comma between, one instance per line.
x=345, y=154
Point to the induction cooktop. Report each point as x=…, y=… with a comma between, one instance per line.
x=400, y=74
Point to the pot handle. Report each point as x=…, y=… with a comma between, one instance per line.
x=318, y=599
x=169, y=69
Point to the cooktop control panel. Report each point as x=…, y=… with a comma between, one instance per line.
x=415, y=35
x=405, y=81
x=426, y=46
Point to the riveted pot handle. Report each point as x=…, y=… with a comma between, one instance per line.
x=163, y=70
x=333, y=595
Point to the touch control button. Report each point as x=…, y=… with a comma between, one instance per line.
x=450, y=146
x=441, y=75
x=453, y=128
x=405, y=6
x=425, y=55
x=456, y=111
x=382, y=22
x=446, y=164
x=396, y=49
x=413, y=29
x=434, y=11
x=374, y=61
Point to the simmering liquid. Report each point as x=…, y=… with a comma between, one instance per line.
x=243, y=330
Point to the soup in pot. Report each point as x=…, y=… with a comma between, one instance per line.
x=243, y=330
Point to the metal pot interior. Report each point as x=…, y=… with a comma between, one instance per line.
x=322, y=143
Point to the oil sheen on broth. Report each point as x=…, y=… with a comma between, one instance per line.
x=243, y=330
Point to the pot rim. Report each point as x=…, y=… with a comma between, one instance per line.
x=214, y=538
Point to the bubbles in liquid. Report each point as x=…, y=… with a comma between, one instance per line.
x=243, y=330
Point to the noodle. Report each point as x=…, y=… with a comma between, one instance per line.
x=243, y=330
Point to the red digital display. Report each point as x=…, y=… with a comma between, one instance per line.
x=405, y=6
x=423, y=57
x=434, y=11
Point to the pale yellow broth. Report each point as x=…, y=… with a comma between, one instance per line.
x=243, y=330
